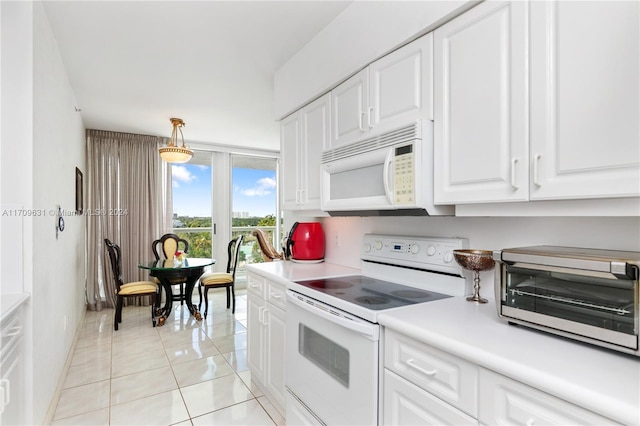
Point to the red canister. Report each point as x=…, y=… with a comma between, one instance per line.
x=306, y=242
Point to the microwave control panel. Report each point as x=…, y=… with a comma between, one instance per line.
x=404, y=175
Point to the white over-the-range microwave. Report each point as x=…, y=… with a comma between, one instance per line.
x=387, y=174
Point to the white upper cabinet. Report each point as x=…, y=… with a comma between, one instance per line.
x=538, y=101
x=585, y=99
x=481, y=135
x=290, y=147
x=390, y=92
x=304, y=135
x=349, y=103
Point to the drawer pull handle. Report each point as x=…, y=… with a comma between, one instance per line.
x=412, y=363
x=5, y=394
x=255, y=285
x=276, y=296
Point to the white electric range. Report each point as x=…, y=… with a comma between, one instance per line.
x=333, y=335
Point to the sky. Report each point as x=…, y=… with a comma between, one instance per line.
x=254, y=191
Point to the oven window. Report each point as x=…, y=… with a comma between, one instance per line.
x=600, y=302
x=326, y=354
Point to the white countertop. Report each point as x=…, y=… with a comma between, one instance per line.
x=600, y=380
x=286, y=271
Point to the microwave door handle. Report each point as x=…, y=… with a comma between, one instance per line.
x=386, y=179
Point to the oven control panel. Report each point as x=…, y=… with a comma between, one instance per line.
x=429, y=253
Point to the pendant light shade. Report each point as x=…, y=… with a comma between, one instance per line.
x=173, y=153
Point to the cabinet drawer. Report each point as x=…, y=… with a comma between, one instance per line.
x=406, y=404
x=448, y=377
x=506, y=401
x=276, y=294
x=256, y=284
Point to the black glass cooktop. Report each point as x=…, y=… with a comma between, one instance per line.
x=372, y=293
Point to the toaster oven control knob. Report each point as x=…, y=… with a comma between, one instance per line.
x=367, y=248
x=448, y=257
x=378, y=245
x=431, y=250
x=415, y=248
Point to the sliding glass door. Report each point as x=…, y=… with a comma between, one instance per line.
x=217, y=196
x=254, y=204
x=192, y=195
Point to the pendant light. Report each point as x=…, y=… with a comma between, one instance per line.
x=173, y=153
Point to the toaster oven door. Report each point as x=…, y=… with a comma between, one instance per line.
x=583, y=303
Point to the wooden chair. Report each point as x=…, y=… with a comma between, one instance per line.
x=222, y=279
x=268, y=252
x=131, y=289
x=169, y=244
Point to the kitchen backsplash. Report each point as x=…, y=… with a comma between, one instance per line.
x=343, y=234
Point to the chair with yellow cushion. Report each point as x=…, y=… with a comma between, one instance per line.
x=222, y=279
x=169, y=245
x=131, y=289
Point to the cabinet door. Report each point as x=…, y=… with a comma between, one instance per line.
x=480, y=112
x=12, y=370
x=504, y=401
x=406, y=404
x=275, y=319
x=349, y=102
x=585, y=103
x=315, y=138
x=290, y=145
x=256, y=348
x=401, y=86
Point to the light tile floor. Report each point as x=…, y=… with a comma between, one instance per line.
x=186, y=372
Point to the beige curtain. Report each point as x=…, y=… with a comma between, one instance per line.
x=129, y=202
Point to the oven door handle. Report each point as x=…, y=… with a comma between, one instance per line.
x=370, y=331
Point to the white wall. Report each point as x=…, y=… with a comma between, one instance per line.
x=42, y=143
x=17, y=167
x=363, y=32
x=16, y=133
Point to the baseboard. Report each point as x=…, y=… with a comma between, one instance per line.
x=51, y=411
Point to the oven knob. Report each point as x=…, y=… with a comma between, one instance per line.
x=448, y=257
x=415, y=248
x=367, y=248
x=378, y=245
x=431, y=250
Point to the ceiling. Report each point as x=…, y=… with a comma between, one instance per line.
x=135, y=64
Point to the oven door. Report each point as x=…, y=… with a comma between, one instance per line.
x=332, y=363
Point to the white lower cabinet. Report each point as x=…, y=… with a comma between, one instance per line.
x=407, y=404
x=445, y=376
x=12, y=370
x=266, y=327
x=275, y=330
x=423, y=385
x=504, y=401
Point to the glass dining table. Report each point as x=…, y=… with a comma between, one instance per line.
x=166, y=271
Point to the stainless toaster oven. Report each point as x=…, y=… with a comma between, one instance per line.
x=585, y=294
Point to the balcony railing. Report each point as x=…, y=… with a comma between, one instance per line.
x=200, y=244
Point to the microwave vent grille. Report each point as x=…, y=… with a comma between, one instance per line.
x=401, y=135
